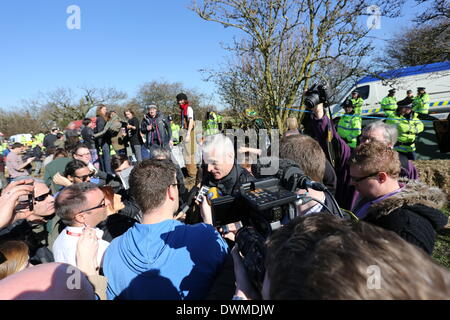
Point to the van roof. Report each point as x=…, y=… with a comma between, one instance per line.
x=409, y=71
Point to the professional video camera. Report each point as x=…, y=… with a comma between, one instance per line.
x=260, y=206
x=318, y=93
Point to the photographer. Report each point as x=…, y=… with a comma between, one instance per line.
x=330, y=141
x=320, y=257
x=25, y=210
x=14, y=162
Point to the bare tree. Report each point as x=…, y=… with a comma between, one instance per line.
x=284, y=42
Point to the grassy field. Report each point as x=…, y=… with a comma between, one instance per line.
x=437, y=173
x=441, y=251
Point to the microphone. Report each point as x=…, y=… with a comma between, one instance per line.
x=289, y=173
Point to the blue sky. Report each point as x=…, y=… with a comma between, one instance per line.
x=121, y=44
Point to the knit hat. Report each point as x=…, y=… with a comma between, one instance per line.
x=152, y=106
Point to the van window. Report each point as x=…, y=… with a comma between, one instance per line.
x=363, y=91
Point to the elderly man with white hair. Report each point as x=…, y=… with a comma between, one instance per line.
x=222, y=170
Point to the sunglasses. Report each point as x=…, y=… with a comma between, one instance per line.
x=42, y=197
x=84, y=178
x=363, y=178
x=101, y=205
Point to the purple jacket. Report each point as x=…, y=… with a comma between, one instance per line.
x=346, y=194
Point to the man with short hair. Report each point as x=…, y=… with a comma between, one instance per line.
x=79, y=205
x=222, y=171
x=162, y=258
x=409, y=209
x=50, y=138
x=14, y=163
x=32, y=229
x=320, y=257
x=307, y=154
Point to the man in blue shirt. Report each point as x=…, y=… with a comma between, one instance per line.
x=162, y=258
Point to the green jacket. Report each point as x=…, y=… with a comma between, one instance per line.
x=212, y=125
x=407, y=128
x=389, y=104
x=357, y=105
x=421, y=103
x=175, y=133
x=349, y=128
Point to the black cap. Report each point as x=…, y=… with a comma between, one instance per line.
x=170, y=118
x=392, y=91
x=354, y=91
x=181, y=96
x=421, y=88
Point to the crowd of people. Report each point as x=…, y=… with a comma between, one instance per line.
x=134, y=225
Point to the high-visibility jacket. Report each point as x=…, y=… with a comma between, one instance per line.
x=175, y=133
x=407, y=129
x=357, y=105
x=421, y=103
x=389, y=104
x=212, y=126
x=349, y=128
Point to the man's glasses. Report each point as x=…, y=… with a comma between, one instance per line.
x=101, y=205
x=84, y=178
x=42, y=197
x=363, y=178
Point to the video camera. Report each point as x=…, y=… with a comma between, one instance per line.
x=260, y=206
x=318, y=93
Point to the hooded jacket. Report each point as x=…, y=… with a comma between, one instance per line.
x=412, y=213
x=164, y=261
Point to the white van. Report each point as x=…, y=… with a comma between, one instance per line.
x=434, y=77
x=18, y=137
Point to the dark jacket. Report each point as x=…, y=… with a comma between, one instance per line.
x=34, y=235
x=161, y=130
x=99, y=126
x=230, y=184
x=405, y=102
x=413, y=214
x=88, y=137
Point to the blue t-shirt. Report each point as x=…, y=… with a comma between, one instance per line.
x=164, y=261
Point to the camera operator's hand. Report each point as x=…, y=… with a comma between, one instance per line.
x=319, y=111
x=86, y=254
x=205, y=211
x=10, y=199
x=244, y=288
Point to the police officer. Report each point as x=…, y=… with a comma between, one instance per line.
x=212, y=125
x=408, y=126
x=357, y=102
x=349, y=126
x=421, y=102
x=389, y=103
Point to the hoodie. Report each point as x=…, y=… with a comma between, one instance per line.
x=164, y=261
x=412, y=213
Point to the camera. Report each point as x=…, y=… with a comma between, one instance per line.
x=26, y=203
x=261, y=205
x=318, y=93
